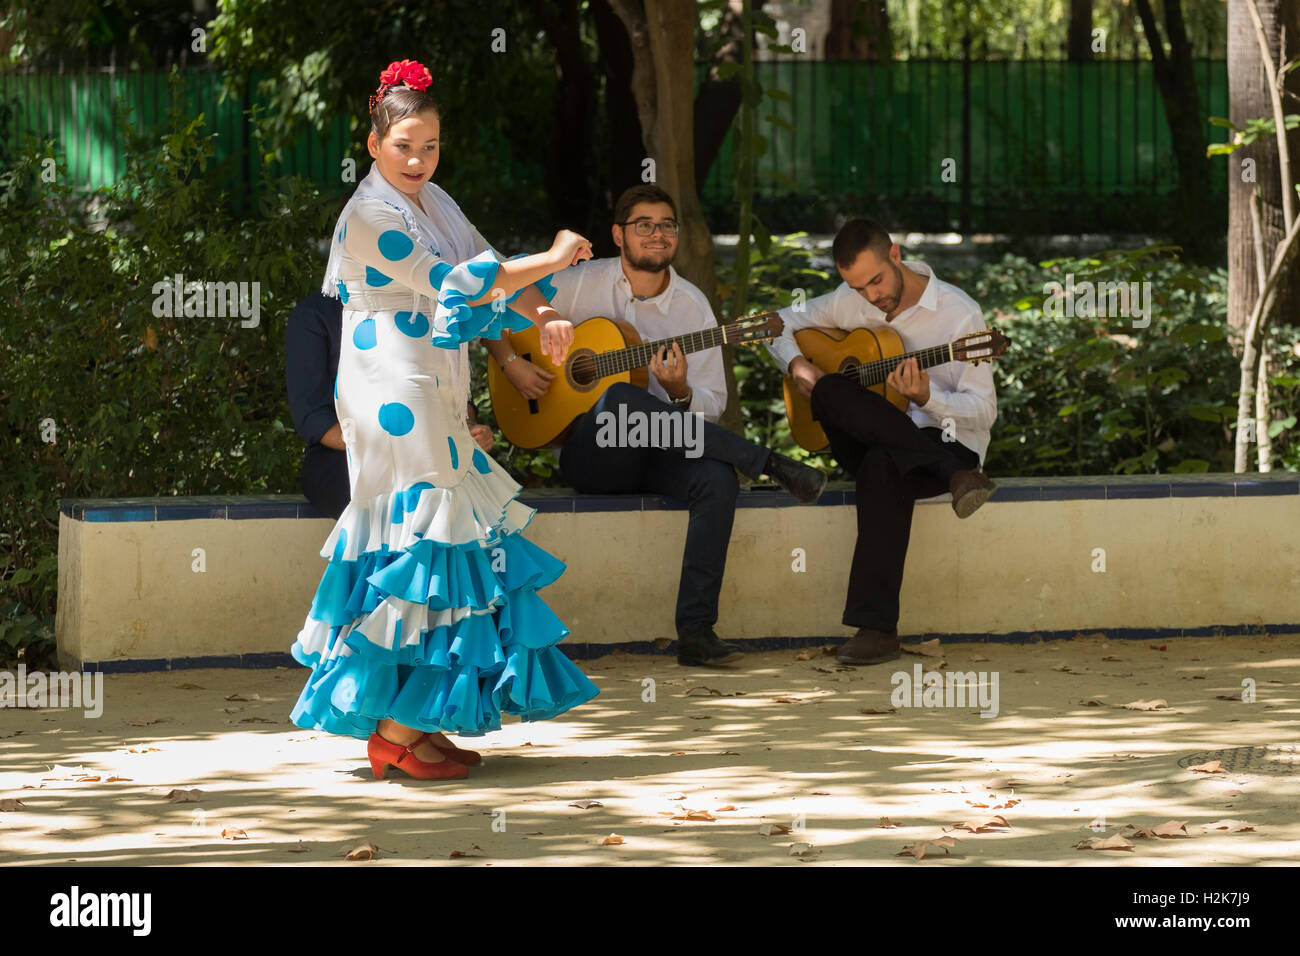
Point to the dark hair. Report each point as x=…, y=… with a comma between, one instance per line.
x=646, y=192
x=857, y=235
x=399, y=103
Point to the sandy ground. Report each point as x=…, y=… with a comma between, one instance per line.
x=779, y=740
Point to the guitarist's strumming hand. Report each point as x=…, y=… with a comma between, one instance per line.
x=911, y=381
x=805, y=375
x=669, y=367
x=531, y=381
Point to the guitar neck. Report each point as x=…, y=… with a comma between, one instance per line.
x=639, y=356
x=873, y=373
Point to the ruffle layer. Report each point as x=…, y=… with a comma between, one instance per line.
x=456, y=321
x=427, y=614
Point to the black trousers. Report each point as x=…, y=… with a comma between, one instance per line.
x=894, y=463
x=324, y=479
x=707, y=483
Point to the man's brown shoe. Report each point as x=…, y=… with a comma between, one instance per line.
x=970, y=489
x=869, y=646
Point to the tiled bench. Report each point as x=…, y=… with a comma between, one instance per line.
x=1182, y=555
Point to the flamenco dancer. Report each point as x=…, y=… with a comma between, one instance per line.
x=427, y=617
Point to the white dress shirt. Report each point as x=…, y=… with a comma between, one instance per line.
x=599, y=287
x=958, y=390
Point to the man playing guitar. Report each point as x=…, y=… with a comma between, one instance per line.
x=895, y=457
x=641, y=287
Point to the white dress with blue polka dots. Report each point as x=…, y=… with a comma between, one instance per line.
x=427, y=612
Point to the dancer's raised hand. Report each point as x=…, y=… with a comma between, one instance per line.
x=569, y=249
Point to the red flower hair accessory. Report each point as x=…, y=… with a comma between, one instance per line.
x=401, y=73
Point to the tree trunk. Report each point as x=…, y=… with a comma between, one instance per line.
x=663, y=80
x=1079, y=45
x=568, y=172
x=1248, y=98
x=859, y=31
x=625, y=149
x=1176, y=78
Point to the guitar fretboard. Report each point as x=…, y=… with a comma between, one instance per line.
x=873, y=373
x=638, y=356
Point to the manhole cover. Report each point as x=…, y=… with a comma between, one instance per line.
x=1248, y=759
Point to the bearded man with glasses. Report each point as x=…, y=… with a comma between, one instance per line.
x=640, y=287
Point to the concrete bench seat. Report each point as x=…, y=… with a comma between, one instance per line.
x=227, y=580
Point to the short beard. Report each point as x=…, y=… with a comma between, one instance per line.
x=646, y=264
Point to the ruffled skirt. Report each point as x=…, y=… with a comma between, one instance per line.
x=428, y=614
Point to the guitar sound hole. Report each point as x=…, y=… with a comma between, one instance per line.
x=582, y=370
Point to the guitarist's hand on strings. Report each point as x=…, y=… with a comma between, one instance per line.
x=669, y=367
x=805, y=375
x=911, y=381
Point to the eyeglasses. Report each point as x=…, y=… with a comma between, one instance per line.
x=644, y=227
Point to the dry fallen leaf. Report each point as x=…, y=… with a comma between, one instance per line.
x=117, y=780
x=676, y=796
x=365, y=851
x=991, y=825
x=1231, y=826
x=586, y=804
x=803, y=849
x=1157, y=647
x=767, y=829
x=233, y=833
x=188, y=686
x=873, y=710
x=695, y=815
x=1112, y=658
x=1091, y=703
x=1159, y=704
x=724, y=809
x=300, y=848
x=1232, y=793
x=612, y=840
x=1170, y=828
x=236, y=697
x=146, y=721
x=977, y=659
x=1209, y=767
x=457, y=854
x=928, y=648
x=183, y=796
x=886, y=824
x=804, y=656
x=918, y=849
x=140, y=750
x=10, y=805
x=1115, y=842
x=708, y=692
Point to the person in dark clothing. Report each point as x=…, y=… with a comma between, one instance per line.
x=311, y=363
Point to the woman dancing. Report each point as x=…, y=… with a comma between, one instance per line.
x=427, y=617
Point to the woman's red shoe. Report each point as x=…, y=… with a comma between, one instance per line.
x=467, y=757
x=384, y=754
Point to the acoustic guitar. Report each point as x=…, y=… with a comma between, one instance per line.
x=604, y=351
x=868, y=356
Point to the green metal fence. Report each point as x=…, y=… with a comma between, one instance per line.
x=1049, y=136
x=1055, y=140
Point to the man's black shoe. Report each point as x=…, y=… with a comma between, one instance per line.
x=705, y=650
x=803, y=481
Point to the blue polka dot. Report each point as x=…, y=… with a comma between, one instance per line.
x=416, y=328
x=437, y=273
x=412, y=494
x=395, y=246
x=395, y=418
x=455, y=458
x=343, y=291
x=364, y=336
x=395, y=513
x=376, y=278
x=480, y=462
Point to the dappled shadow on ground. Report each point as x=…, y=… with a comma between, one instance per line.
x=784, y=742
